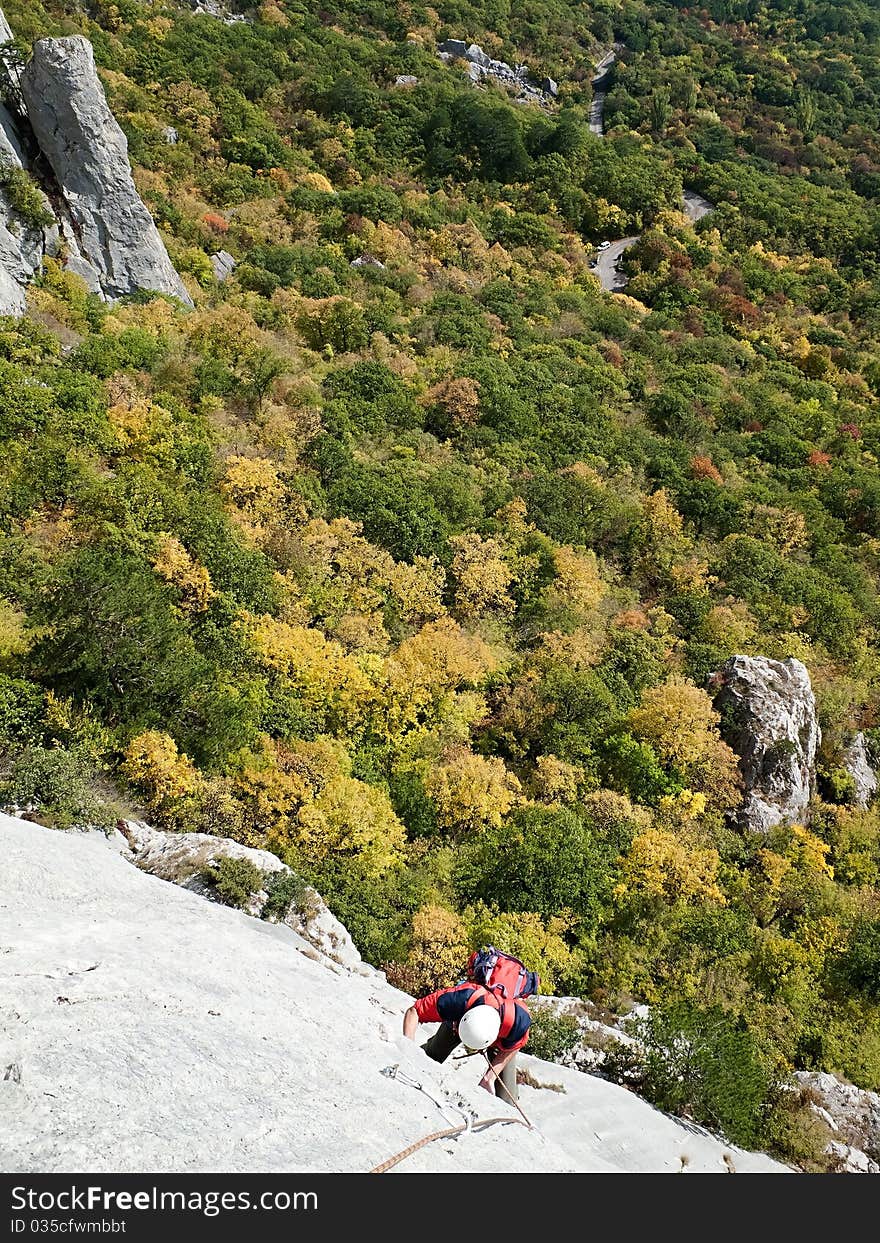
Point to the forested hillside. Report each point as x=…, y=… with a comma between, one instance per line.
x=408, y=553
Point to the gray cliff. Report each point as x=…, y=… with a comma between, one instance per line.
x=88, y=153
x=768, y=717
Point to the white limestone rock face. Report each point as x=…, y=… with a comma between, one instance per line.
x=851, y=1160
x=11, y=148
x=21, y=247
x=596, y=1035
x=859, y=767
x=768, y=713
x=182, y=858
x=88, y=152
x=145, y=1029
x=214, y=8
x=12, y=296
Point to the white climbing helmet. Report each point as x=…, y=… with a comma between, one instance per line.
x=479, y=1027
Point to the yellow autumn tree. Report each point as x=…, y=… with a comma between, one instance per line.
x=660, y=537
x=577, y=577
x=556, y=781
x=328, y=680
x=541, y=946
x=481, y=574
x=304, y=801
x=679, y=721
x=13, y=635
x=793, y=868
x=172, y=562
x=253, y=486
x=156, y=768
x=439, y=950
x=661, y=864
x=349, y=817
x=471, y=792
x=279, y=779
x=346, y=578
x=458, y=397
x=417, y=588
x=425, y=673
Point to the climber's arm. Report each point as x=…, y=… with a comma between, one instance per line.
x=410, y=1023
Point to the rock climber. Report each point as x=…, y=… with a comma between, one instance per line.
x=472, y=1015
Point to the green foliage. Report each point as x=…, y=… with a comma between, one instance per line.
x=861, y=961
x=22, y=711
x=60, y=786
x=551, y=1034
x=542, y=859
x=235, y=880
x=701, y=1063
x=23, y=196
x=284, y=890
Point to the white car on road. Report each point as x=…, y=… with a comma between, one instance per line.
x=604, y=245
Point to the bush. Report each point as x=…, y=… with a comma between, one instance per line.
x=552, y=1035
x=22, y=711
x=542, y=859
x=861, y=962
x=58, y=785
x=24, y=197
x=702, y=1064
x=235, y=880
x=284, y=889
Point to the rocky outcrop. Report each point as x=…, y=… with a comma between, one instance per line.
x=88, y=153
x=853, y=1116
x=21, y=245
x=597, y=1035
x=214, y=8
x=695, y=206
x=223, y=264
x=99, y=226
x=480, y=65
x=367, y=261
x=858, y=765
x=183, y=859
x=768, y=717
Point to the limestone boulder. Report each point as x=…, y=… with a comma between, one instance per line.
x=768, y=717
x=857, y=763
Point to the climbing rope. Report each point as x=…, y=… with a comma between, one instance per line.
x=455, y=1130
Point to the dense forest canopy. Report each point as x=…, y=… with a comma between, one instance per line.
x=414, y=569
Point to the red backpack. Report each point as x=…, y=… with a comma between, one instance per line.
x=501, y=973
